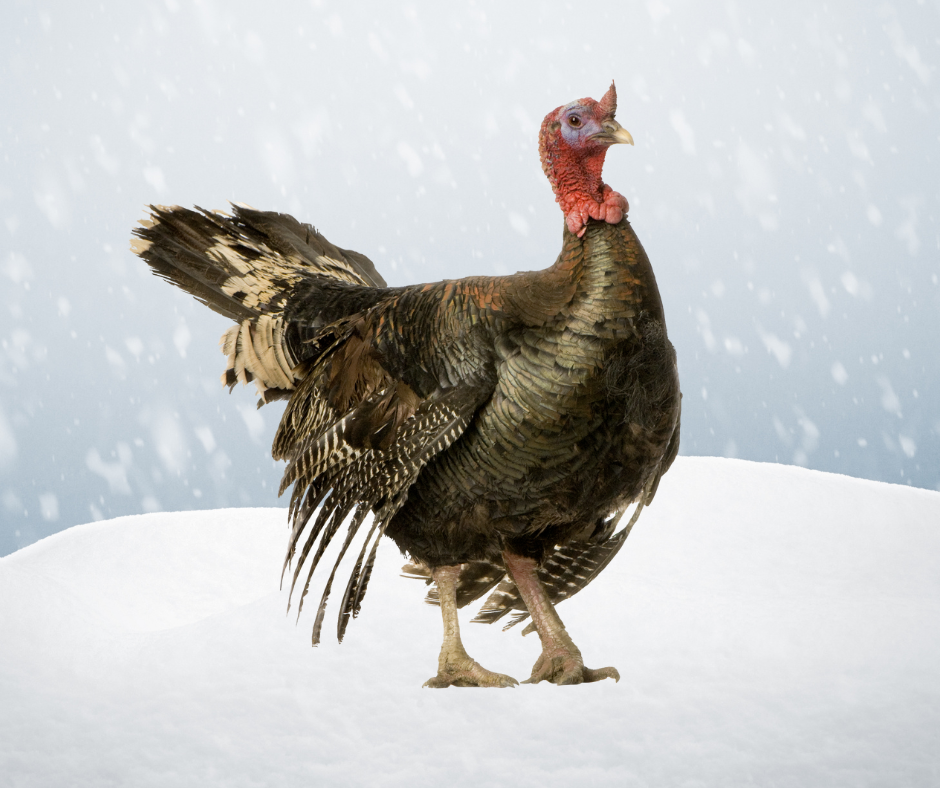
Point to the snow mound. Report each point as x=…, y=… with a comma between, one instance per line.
x=772, y=626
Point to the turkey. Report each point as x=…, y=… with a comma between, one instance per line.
x=496, y=427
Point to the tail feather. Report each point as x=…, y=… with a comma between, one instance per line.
x=248, y=266
x=215, y=257
x=176, y=252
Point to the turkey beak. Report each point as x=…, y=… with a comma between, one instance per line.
x=614, y=133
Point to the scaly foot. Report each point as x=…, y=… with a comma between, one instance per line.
x=459, y=670
x=566, y=668
x=563, y=664
x=469, y=675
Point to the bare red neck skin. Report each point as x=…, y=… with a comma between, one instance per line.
x=575, y=176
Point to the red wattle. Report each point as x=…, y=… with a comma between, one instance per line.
x=578, y=207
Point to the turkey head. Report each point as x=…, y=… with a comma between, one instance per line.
x=573, y=143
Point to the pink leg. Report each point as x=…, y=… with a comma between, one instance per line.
x=560, y=661
x=455, y=667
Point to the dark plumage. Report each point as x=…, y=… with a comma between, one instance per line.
x=490, y=423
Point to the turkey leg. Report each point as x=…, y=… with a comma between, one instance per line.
x=454, y=666
x=560, y=661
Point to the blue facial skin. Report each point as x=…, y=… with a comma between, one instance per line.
x=578, y=125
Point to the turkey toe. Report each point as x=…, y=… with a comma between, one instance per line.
x=473, y=675
x=565, y=666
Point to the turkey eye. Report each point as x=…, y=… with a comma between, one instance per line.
x=574, y=121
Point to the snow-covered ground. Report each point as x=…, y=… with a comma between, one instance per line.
x=773, y=626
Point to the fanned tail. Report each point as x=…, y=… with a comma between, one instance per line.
x=244, y=264
x=255, y=267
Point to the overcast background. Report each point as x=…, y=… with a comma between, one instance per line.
x=784, y=183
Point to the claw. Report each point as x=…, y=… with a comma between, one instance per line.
x=599, y=674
